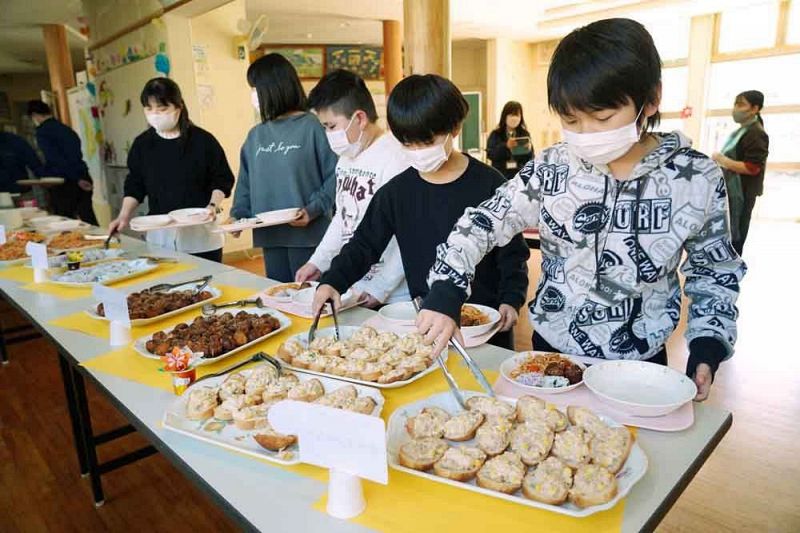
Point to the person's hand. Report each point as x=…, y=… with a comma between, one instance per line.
x=86, y=185
x=702, y=378
x=720, y=159
x=437, y=329
x=508, y=317
x=511, y=143
x=234, y=234
x=302, y=219
x=369, y=301
x=212, y=212
x=118, y=224
x=307, y=272
x=321, y=297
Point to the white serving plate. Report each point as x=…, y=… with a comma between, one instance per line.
x=139, y=344
x=56, y=251
x=145, y=268
x=64, y=225
x=239, y=440
x=60, y=261
x=513, y=362
x=150, y=222
x=215, y=294
x=400, y=313
x=494, y=318
x=640, y=388
x=288, y=298
x=31, y=212
x=191, y=215
x=396, y=435
x=280, y=216
x=346, y=332
x=42, y=222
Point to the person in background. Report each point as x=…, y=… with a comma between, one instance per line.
x=420, y=206
x=175, y=165
x=286, y=162
x=743, y=160
x=618, y=209
x=509, y=146
x=61, y=148
x=368, y=159
x=17, y=158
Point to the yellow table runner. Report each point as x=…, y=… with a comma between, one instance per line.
x=409, y=503
x=71, y=293
x=82, y=322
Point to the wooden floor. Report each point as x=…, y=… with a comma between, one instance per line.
x=751, y=483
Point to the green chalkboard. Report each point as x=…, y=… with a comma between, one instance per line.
x=471, y=131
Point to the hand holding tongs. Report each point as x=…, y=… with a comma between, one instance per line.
x=313, y=329
x=473, y=367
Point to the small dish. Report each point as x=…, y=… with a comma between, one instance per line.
x=508, y=366
x=400, y=313
x=281, y=216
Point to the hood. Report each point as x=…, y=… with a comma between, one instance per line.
x=669, y=145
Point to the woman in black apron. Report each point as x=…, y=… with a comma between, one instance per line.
x=509, y=146
x=743, y=160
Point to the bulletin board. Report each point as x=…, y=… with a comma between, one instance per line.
x=471, y=130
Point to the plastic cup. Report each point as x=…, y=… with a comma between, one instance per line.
x=181, y=380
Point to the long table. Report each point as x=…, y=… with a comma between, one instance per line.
x=239, y=484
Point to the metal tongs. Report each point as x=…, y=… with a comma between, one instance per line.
x=259, y=357
x=470, y=362
x=202, y=283
x=312, y=332
x=210, y=309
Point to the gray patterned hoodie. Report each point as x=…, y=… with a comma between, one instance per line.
x=610, y=252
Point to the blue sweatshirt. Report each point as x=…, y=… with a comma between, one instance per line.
x=61, y=148
x=287, y=163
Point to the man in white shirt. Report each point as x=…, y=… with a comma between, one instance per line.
x=368, y=158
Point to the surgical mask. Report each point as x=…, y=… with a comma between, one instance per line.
x=430, y=158
x=740, y=116
x=603, y=147
x=254, y=100
x=162, y=122
x=339, y=143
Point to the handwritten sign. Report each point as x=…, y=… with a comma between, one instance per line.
x=332, y=438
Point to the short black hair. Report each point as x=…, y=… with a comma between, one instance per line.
x=165, y=92
x=38, y=107
x=278, y=86
x=423, y=106
x=343, y=92
x=605, y=65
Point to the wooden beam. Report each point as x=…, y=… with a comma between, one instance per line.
x=426, y=26
x=59, y=66
x=392, y=54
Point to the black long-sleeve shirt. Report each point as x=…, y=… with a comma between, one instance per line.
x=177, y=173
x=499, y=154
x=16, y=158
x=421, y=215
x=61, y=148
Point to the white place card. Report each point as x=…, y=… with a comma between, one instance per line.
x=2, y=234
x=115, y=303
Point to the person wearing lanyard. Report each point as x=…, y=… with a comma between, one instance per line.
x=509, y=146
x=286, y=162
x=743, y=160
x=175, y=165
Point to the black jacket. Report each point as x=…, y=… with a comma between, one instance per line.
x=499, y=154
x=61, y=148
x=753, y=147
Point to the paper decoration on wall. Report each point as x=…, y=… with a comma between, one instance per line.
x=92, y=89
x=127, y=109
x=308, y=61
x=162, y=64
x=366, y=61
x=106, y=96
x=205, y=95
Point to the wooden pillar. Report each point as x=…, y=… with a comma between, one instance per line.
x=59, y=66
x=392, y=53
x=426, y=26
x=701, y=44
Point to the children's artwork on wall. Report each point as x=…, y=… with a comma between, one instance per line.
x=309, y=61
x=106, y=96
x=162, y=64
x=366, y=61
x=127, y=109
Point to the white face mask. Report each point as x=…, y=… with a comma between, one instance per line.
x=339, y=143
x=602, y=147
x=430, y=158
x=163, y=122
x=254, y=100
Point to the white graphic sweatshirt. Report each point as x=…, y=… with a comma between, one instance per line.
x=357, y=181
x=610, y=252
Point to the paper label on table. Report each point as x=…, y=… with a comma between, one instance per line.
x=115, y=303
x=38, y=253
x=2, y=234
x=348, y=442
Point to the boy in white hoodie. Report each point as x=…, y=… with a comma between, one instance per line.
x=368, y=158
x=616, y=207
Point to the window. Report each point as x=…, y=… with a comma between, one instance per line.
x=670, y=124
x=674, y=88
x=783, y=130
x=771, y=75
x=793, y=29
x=748, y=28
x=715, y=132
x=671, y=38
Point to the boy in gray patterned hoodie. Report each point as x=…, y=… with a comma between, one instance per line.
x=616, y=207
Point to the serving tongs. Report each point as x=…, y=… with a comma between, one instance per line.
x=210, y=309
x=259, y=357
x=201, y=283
x=470, y=362
x=158, y=259
x=312, y=331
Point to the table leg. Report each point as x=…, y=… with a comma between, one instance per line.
x=3, y=348
x=88, y=436
x=74, y=417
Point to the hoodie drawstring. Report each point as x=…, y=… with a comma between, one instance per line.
x=636, y=227
x=597, y=238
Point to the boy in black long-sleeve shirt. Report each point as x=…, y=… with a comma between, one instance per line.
x=420, y=206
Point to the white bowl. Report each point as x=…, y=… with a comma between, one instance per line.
x=306, y=297
x=191, y=215
x=640, y=388
x=31, y=212
x=474, y=331
x=64, y=225
x=150, y=221
x=46, y=220
x=507, y=366
x=400, y=313
x=281, y=216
